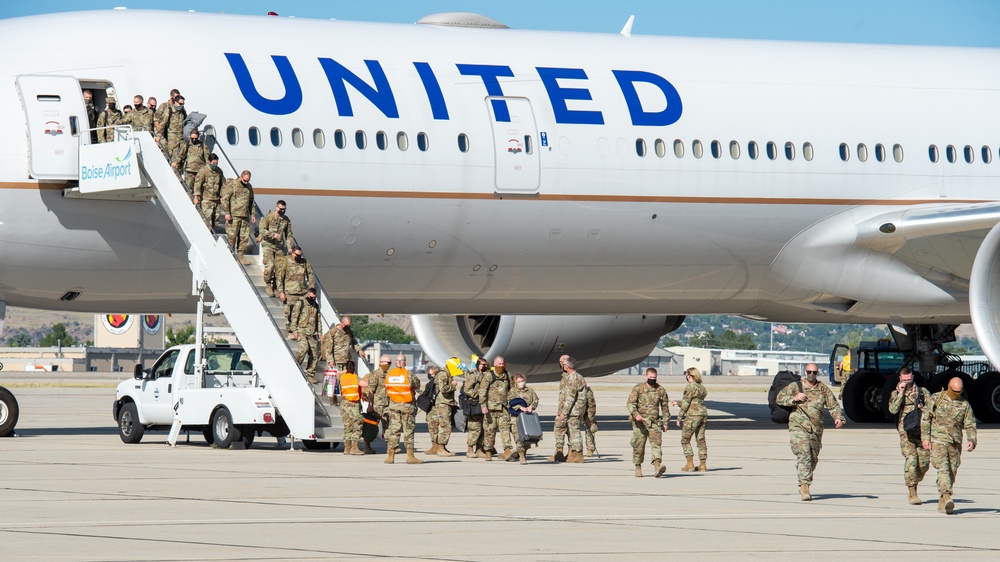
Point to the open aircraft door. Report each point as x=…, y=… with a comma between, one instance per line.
x=56, y=116
x=514, y=134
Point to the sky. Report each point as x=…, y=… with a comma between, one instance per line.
x=973, y=23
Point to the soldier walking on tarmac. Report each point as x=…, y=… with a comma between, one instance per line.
x=570, y=409
x=530, y=398
x=401, y=386
x=645, y=404
x=493, y=390
x=474, y=421
x=694, y=415
x=439, y=418
x=377, y=395
x=905, y=398
x=941, y=430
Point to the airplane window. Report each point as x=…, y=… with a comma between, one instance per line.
x=734, y=150
x=951, y=153
x=297, y=138
x=789, y=151
x=319, y=139
x=697, y=149
x=807, y=151
x=254, y=136
x=422, y=142
x=275, y=136
x=361, y=140
x=660, y=147
x=679, y=148
x=772, y=150
x=340, y=138
x=880, y=152
x=987, y=155
x=753, y=150
x=716, y=149
x=897, y=153
x=932, y=152
x=845, y=152
x=401, y=141
x=970, y=154
x=640, y=147
x=381, y=140
x=463, y=142
x=862, y=152
x=232, y=135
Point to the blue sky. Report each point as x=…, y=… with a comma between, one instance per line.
x=922, y=22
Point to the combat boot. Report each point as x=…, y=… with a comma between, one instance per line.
x=558, y=457
x=946, y=505
x=659, y=468
x=242, y=259
x=444, y=452
x=575, y=457
x=804, y=492
x=410, y=459
x=701, y=466
x=368, y=449
x=507, y=452
x=347, y=447
x=487, y=454
x=511, y=458
x=470, y=453
x=390, y=457
x=914, y=499
x=638, y=471
x=590, y=452
x=689, y=466
x=520, y=457
x=268, y=289
x=433, y=450
x=356, y=450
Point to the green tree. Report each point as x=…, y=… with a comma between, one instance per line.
x=19, y=339
x=181, y=336
x=57, y=336
x=670, y=342
x=365, y=330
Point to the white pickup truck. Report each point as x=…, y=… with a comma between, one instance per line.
x=223, y=397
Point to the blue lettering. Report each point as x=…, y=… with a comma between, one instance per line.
x=489, y=74
x=284, y=106
x=668, y=116
x=380, y=95
x=438, y=108
x=559, y=95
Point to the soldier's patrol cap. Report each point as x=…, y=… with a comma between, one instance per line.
x=111, y=99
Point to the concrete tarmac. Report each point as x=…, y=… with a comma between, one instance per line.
x=71, y=490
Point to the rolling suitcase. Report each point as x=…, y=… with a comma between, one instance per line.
x=529, y=427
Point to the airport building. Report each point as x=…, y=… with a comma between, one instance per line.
x=742, y=362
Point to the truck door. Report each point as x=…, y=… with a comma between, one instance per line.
x=56, y=118
x=157, y=390
x=514, y=133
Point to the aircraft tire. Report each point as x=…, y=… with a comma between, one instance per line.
x=8, y=412
x=223, y=430
x=129, y=428
x=863, y=397
x=986, y=394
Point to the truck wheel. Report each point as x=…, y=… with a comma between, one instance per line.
x=209, y=438
x=223, y=430
x=8, y=412
x=129, y=428
x=986, y=397
x=863, y=397
x=249, y=432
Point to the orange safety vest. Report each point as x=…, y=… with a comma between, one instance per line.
x=349, y=387
x=397, y=385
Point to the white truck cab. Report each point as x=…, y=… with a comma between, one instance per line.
x=213, y=388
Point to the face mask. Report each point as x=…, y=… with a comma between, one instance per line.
x=281, y=211
x=194, y=141
x=520, y=384
x=312, y=300
x=213, y=167
x=651, y=382
x=298, y=258
x=811, y=377
x=952, y=394
x=112, y=106
x=499, y=369
x=483, y=368
x=178, y=106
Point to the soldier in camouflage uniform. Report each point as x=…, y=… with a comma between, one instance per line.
x=559, y=426
x=694, y=416
x=521, y=391
x=293, y=280
x=805, y=423
x=493, y=390
x=402, y=415
x=377, y=395
x=307, y=330
x=474, y=423
x=207, y=190
x=237, y=205
x=160, y=116
x=171, y=129
x=941, y=431
x=439, y=418
x=350, y=408
x=645, y=403
x=107, y=120
x=916, y=460
x=275, y=237
x=88, y=100
x=590, y=422
x=337, y=343
x=140, y=118
x=190, y=157
x=570, y=409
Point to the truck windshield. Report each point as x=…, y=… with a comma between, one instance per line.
x=222, y=360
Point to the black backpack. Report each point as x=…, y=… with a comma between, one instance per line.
x=779, y=414
x=425, y=400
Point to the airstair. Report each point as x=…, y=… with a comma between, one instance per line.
x=238, y=292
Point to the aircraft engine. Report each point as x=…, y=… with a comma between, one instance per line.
x=533, y=344
x=984, y=295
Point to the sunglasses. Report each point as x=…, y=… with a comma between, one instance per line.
x=812, y=372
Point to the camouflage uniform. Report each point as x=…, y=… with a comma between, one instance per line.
x=141, y=119
x=805, y=423
x=694, y=415
x=942, y=424
x=590, y=421
x=337, y=345
x=403, y=418
x=171, y=127
x=294, y=279
x=572, y=405
x=270, y=226
x=493, y=390
x=160, y=117
x=107, y=118
x=529, y=396
x=439, y=418
x=648, y=402
x=190, y=158
x=350, y=414
x=378, y=396
x=208, y=189
x=307, y=325
x=473, y=423
x=92, y=119
x=916, y=459
x=237, y=201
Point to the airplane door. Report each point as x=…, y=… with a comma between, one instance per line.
x=514, y=139
x=56, y=116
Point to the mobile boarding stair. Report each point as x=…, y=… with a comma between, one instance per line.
x=256, y=320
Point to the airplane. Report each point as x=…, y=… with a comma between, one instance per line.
x=532, y=194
